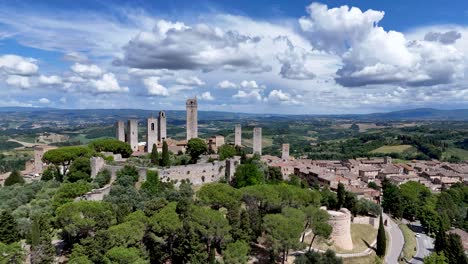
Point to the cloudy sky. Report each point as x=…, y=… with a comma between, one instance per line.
x=270, y=56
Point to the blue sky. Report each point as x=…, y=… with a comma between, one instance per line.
x=297, y=57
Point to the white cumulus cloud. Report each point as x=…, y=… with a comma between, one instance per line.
x=154, y=88
x=206, y=96
x=18, y=81
x=227, y=85
x=248, y=96
x=50, y=80
x=87, y=70
x=107, y=84
x=44, y=101
x=17, y=65
x=190, y=81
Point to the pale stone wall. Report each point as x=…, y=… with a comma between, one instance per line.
x=151, y=133
x=120, y=131
x=133, y=134
x=162, y=134
x=97, y=163
x=238, y=135
x=192, y=118
x=38, y=154
x=257, y=140
x=285, y=152
x=96, y=194
x=197, y=174
x=341, y=224
x=367, y=220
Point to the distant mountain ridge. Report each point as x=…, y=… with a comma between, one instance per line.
x=410, y=114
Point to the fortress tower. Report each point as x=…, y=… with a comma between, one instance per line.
x=257, y=140
x=285, y=152
x=341, y=224
x=151, y=133
x=192, y=118
x=238, y=135
x=162, y=134
x=120, y=131
x=132, y=135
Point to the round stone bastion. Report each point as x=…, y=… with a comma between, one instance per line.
x=341, y=224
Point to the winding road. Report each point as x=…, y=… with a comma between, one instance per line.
x=396, y=241
x=425, y=244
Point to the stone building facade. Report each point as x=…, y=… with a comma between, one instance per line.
x=151, y=133
x=238, y=135
x=162, y=128
x=132, y=134
x=257, y=140
x=192, y=118
x=285, y=152
x=120, y=131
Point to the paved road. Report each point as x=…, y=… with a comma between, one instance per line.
x=396, y=241
x=425, y=244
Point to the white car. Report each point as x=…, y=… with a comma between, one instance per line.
x=417, y=235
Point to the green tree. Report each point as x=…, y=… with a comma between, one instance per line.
x=341, y=195
x=319, y=225
x=236, y=253
x=248, y=174
x=392, y=199
x=80, y=169
x=152, y=185
x=282, y=233
x=211, y=226
x=83, y=218
x=67, y=192
x=219, y=195
x=127, y=234
x=440, y=243
x=226, y=151
x=122, y=255
x=64, y=156
x=42, y=250
x=167, y=224
x=11, y=254
x=50, y=173
x=112, y=145
x=274, y=175
x=436, y=258
x=165, y=155
x=154, y=156
x=381, y=239
x=312, y=257
x=14, y=178
x=8, y=228
x=195, y=148
x=454, y=250
x=102, y=178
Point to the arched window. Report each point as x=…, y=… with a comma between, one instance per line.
x=152, y=126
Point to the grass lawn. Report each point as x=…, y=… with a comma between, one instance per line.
x=409, y=250
x=461, y=153
x=392, y=149
x=361, y=234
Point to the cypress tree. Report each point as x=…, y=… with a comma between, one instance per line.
x=8, y=228
x=381, y=239
x=14, y=178
x=154, y=155
x=454, y=250
x=440, y=243
x=165, y=155
x=341, y=195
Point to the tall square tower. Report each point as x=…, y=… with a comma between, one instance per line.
x=151, y=133
x=192, y=118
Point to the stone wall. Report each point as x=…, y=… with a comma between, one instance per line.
x=367, y=220
x=97, y=163
x=341, y=224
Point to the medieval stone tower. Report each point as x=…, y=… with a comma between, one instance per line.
x=132, y=135
x=192, y=118
x=257, y=140
x=162, y=134
x=285, y=152
x=341, y=224
x=120, y=130
x=238, y=135
x=151, y=133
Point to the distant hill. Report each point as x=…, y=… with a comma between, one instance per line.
x=411, y=114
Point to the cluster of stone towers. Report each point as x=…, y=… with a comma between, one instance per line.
x=257, y=138
x=155, y=131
